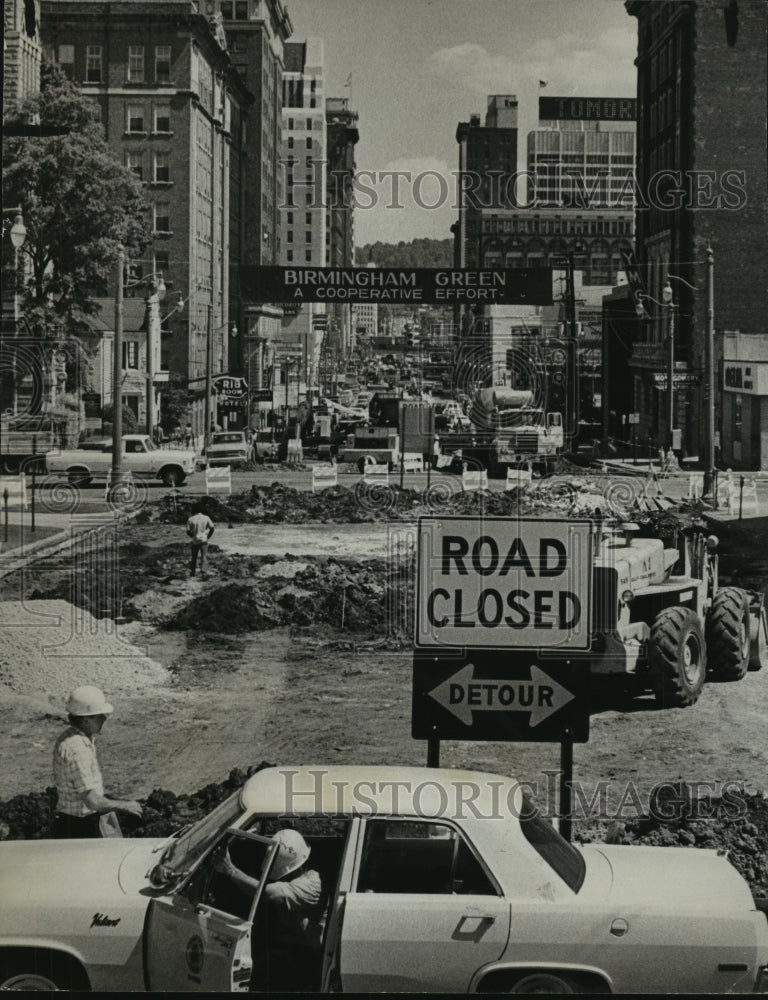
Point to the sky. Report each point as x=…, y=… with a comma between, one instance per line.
x=419, y=67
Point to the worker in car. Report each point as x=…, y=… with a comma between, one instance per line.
x=287, y=940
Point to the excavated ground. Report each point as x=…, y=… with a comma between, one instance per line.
x=290, y=657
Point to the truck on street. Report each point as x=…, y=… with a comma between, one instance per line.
x=141, y=457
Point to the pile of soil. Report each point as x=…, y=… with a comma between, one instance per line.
x=47, y=648
x=346, y=595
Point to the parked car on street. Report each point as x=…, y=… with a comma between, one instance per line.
x=228, y=448
x=431, y=880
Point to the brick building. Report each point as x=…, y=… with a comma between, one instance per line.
x=702, y=176
x=172, y=105
x=256, y=34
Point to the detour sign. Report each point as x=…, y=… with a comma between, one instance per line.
x=505, y=583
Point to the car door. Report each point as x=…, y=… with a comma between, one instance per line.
x=423, y=912
x=199, y=936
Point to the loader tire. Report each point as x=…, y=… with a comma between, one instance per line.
x=677, y=659
x=728, y=634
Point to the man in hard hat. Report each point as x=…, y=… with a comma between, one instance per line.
x=292, y=929
x=76, y=774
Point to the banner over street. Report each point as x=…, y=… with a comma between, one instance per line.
x=427, y=285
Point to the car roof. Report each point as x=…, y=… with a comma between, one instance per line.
x=379, y=790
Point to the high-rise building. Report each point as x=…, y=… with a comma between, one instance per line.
x=702, y=174
x=21, y=51
x=256, y=34
x=166, y=89
x=341, y=136
x=571, y=210
x=303, y=210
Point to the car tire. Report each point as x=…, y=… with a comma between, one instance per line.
x=542, y=982
x=677, y=659
x=172, y=475
x=40, y=971
x=728, y=634
x=79, y=478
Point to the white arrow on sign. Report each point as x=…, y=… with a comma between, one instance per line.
x=462, y=695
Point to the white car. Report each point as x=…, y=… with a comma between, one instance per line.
x=228, y=448
x=434, y=880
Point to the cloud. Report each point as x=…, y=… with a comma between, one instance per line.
x=571, y=64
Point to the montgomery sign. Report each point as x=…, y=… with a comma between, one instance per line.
x=432, y=286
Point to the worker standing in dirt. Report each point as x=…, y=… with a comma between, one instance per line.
x=82, y=810
x=199, y=528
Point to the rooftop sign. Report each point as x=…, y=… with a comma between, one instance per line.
x=445, y=286
x=601, y=109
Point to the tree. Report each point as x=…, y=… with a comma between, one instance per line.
x=80, y=205
x=174, y=403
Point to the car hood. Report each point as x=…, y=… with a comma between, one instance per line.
x=684, y=878
x=33, y=872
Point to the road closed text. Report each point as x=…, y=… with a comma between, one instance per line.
x=494, y=582
x=540, y=607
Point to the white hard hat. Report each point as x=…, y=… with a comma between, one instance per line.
x=88, y=700
x=292, y=854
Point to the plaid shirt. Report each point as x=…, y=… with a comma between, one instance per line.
x=75, y=770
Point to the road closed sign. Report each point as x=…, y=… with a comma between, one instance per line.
x=503, y=583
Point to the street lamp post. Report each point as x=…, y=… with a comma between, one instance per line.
x=209, y=372
x=709, y=385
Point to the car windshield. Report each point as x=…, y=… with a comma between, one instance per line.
x=191, y=843
x=552, y=847
x=263, y=435
x=231, y=438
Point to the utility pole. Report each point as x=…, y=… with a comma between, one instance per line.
x=208, y=378
x=117, y=375
x=671, y=374
x=709, y=383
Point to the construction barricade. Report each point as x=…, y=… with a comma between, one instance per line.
x=324, y=476
x=473, y=480
x=218, y=479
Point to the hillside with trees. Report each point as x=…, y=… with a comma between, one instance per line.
x=418, y=253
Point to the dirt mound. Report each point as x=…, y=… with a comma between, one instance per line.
x=47, y=648
x=344, y=594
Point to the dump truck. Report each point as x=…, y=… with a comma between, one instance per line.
x=661, y=621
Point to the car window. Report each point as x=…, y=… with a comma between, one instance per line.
x=228, y=438
x=191, y=843
x=403, y=856
x=552, y=847
x=210, y=885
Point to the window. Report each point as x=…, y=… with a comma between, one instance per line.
x=308, y=236
x=162, y=168
x=130, y=354
x=67, y=60
x=134, y=118
x=162, y=261
x=289, y=236
x=309, y=124
x=309, y=142
x=308, y=256
x=290, y=142
x=404, y=856
x=162, y=118
x=163, y=63
x=289, y=218
x=162, y=217
x=556, y=851
x=135, y=63
x=290, y=123
x=289, y=256
x=308, y=218
x=93, y=64
x=135, y=163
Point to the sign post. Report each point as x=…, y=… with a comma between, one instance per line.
x=501, y=626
